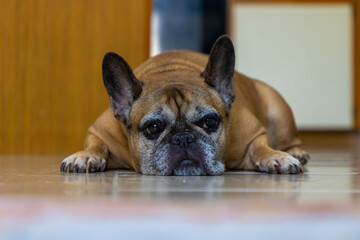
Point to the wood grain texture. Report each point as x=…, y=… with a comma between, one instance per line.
x=51, y=87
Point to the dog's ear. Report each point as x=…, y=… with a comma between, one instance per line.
x=121, y=85
x=219, y=70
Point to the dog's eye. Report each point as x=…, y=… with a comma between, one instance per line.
x=210, y=123
x=153, y=129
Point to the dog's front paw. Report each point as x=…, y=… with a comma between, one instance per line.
x=279, y=163
x=300, y=154
x=83, y=162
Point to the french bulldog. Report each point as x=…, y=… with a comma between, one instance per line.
x=187, y=113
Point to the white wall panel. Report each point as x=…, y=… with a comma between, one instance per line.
x=305, y=52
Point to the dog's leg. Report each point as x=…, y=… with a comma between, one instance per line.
x=283, y=132
x=281, y=125
x=269, y=160
x=92, y=159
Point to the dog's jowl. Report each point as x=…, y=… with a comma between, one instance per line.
x=187, y=113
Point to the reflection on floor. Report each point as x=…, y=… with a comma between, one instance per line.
x=37, y=202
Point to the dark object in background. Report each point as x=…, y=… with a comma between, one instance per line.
x=187, y=24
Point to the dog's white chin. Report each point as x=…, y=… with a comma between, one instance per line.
x=216, y=169
x=189, y=171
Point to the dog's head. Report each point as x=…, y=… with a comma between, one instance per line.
x=178, y=122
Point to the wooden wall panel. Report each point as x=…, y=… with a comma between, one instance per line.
x=51, y=87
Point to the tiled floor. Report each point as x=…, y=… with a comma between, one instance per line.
x=37, y=202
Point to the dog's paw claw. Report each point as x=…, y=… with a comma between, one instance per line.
x=278, y=168
x=300, y=154
x=83, y=162
x=279, y=163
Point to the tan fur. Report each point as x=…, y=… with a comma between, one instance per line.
x=262, y=127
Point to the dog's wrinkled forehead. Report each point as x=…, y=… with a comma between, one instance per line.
x=177, y=102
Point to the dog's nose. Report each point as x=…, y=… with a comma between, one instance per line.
x=183, y=139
